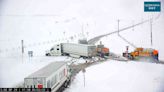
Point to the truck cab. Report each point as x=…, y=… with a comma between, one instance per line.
x=54, y=51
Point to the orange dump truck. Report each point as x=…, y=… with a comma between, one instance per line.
x=103, y=51
x=144, y=52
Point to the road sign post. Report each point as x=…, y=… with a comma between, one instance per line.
x=83, y=70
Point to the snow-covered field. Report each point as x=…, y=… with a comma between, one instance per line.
x=115, y=76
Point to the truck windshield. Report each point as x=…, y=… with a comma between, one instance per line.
x=51, y=49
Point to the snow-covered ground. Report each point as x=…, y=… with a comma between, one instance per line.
x=115, y=76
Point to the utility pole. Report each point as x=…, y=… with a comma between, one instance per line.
x=151, y=34
x=118, y=27
x=22, y=46
x=82, y=29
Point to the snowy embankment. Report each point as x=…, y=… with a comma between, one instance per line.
x=114, y=76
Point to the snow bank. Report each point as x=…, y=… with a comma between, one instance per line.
x=114, y=76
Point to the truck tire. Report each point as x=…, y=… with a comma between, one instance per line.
x=48, y=54
x=131, y=57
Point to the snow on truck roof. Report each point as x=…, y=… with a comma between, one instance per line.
x=47, y=70
x=80, y=44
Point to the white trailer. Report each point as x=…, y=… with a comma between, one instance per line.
x=75, y=50
x=53, y=76
x=83, y=50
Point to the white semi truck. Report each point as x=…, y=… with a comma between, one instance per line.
x=75, y=50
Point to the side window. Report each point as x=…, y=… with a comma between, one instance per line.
x=51, y=49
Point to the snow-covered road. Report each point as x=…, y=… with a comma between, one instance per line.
x=115, y=76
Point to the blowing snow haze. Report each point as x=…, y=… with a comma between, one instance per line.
x=42, y=23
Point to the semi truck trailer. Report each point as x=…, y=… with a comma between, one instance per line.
x=55, y=75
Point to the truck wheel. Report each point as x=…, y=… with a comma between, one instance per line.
x=65, y=84
x=48, y=54
x=132, y=58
